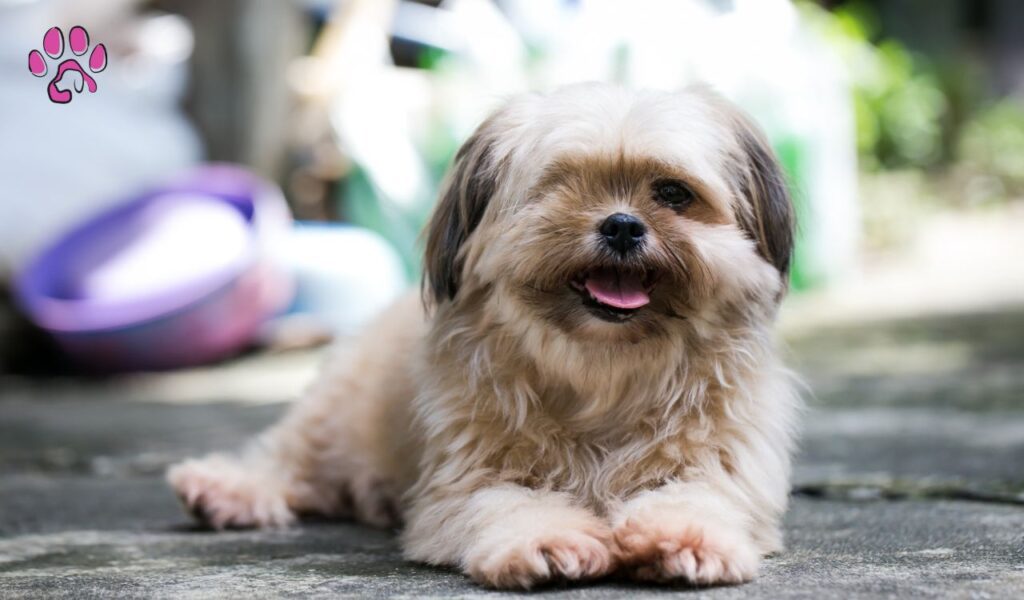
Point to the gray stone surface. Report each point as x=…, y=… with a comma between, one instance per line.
x=907, y=485
x=95, y=544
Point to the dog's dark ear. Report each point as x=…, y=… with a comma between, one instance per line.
x=767, y=217
x=464, y=196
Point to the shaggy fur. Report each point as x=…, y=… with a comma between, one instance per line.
x=518, y=436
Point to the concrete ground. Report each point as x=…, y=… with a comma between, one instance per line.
x=909, y=482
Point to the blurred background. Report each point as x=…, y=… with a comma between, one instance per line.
x=900, y=124
x=250, y=177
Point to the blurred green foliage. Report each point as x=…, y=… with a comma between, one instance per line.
x=899, y=108
x=898, y=98
x=917, y=111
x=931, y=132
x=992, y=142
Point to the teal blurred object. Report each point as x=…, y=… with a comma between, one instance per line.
x=344, y=275
x=368, y=207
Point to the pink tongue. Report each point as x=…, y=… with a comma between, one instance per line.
x=618, y=289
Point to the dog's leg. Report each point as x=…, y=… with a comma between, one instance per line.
x=307, y=464
x=342, y=451
x=234, y=491
x=713, y=524
x=508, y=536
x=685, y=531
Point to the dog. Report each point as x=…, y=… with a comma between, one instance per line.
x=588, y=383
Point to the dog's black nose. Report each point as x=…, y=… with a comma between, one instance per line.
x=623, y=232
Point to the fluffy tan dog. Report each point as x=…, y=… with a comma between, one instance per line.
x=594, y=385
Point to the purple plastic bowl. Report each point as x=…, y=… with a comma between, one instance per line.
x=178, y=276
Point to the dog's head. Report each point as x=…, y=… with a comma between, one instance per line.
x=611, y=215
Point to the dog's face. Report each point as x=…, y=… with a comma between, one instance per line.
x=614, y=216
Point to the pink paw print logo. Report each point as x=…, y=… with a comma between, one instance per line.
x=69, y=74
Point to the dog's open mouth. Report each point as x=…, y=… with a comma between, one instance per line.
x=614, y=294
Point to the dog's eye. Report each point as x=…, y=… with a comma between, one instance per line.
x=674, y=193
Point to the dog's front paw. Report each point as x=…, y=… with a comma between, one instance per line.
x=567, y=555
x=222, y=493
x=677, y=547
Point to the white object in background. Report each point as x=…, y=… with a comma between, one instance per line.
x=755, y=52
x=345, y=275
x=798, y=90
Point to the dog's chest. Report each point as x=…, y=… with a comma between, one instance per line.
x=614, y=461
